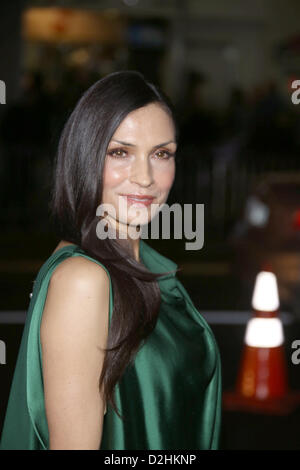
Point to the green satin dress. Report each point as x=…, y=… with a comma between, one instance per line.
x=170, y=397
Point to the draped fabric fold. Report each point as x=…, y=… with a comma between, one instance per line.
x=174, y=383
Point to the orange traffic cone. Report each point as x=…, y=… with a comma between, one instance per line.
x=262, y=382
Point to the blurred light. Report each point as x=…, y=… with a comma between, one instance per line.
x=265, y=296
x=140, y=35
x=264, y=333
x=257, y=213
x=78, y=57
x=296, y=220
x=72, y=25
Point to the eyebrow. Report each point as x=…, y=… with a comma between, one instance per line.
x=155, y=146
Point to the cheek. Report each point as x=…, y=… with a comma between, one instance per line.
x=113, y=175
x=164, y=177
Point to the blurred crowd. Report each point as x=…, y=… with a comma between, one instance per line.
x=262, y=122
x=263, y=116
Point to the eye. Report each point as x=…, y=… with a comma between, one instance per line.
x=117, y=153
x=166, y=155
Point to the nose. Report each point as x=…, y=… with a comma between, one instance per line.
x=141, y=172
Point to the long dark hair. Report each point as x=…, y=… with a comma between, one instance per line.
x=77, y=192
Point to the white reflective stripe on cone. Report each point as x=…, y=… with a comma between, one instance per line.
x=265, y=295
x=264, y=333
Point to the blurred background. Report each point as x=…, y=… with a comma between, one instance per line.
x=228, y=66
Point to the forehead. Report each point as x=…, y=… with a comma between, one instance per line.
x=150, y=120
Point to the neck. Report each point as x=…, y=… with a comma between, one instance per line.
x=133, y=243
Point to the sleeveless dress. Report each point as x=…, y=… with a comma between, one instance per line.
x=170, y=397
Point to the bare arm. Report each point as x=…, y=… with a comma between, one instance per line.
x=74, y=326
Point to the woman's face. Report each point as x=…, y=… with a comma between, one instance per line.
x=140, y=160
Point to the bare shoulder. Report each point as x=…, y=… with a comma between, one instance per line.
x=77, y=298
x=80, y=270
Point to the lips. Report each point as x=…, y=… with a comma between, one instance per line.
x=138, y=196
x=138, y=199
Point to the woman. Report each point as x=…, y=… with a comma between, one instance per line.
x=114, y=354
